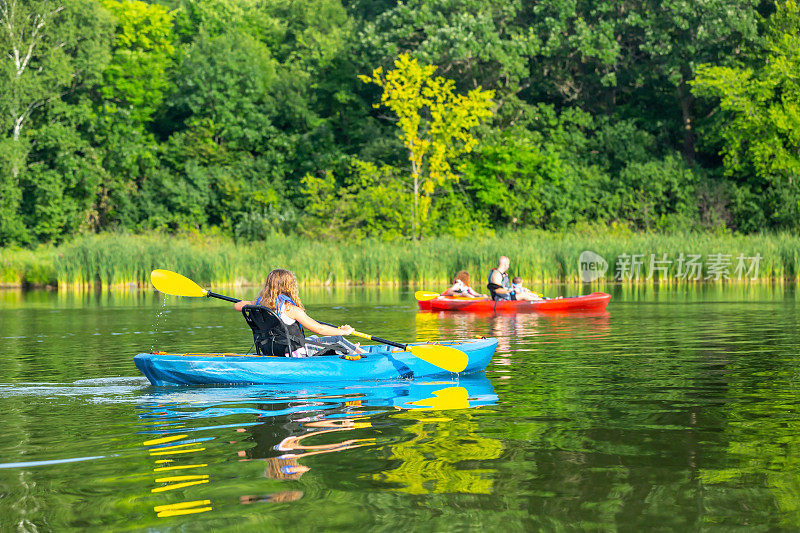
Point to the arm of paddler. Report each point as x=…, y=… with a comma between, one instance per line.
x=238, y=305
x=472, y=292
x=498, y=289
x=292, y=311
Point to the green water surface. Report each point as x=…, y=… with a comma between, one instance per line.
x=674, y=410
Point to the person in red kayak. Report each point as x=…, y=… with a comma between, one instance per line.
x=499, y=285
x=461, y=287
x=523, y=293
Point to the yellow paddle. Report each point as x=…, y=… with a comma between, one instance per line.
x=444, y=357
x=424, y=296
x=173, y=283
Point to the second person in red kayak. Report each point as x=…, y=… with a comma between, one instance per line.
x=461, y=287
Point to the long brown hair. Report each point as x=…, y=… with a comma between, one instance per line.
x=275, y=468
x=279, y=281
x=462, y=275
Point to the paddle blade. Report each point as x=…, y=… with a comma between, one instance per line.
x=445, y=357
x=175, y=284
x=424, y=296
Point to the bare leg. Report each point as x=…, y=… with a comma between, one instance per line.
x=528, y=296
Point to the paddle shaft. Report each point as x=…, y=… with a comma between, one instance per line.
x=210, y=294
x=378, y=339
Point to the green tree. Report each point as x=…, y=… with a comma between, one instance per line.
x=51, y=48
x=520, y=180
x=134, y=86
x=678, y=36
x=760, y=130
x=633, y=60
x=486, y=43
x=507, y=178
x=434, y=122
x=225, y=156
x=136, y=78
x=363, y=204
x=216, y=17
x=63, y=175
x=656, y=194
x=226, y=80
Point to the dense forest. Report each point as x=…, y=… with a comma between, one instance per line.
x=249, y=118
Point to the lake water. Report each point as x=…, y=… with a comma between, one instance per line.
x=677, y=409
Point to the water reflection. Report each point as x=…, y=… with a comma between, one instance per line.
x=283, y=426
x=677, y=409
x=513, y=330
x=434, y=458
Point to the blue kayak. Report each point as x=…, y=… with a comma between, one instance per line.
x=379, y=363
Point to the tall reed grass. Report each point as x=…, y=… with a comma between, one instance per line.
x=126, y=260
x=20, y=267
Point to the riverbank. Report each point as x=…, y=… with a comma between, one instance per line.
x=115, y=260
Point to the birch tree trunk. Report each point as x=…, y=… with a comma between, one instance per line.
x=24, y=25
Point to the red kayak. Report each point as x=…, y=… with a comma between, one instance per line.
x=594, y=301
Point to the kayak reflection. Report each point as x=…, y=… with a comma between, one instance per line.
x=358, y=406
x=512, y=328
x=282, y=425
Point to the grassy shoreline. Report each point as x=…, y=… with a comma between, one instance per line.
x=125, y=260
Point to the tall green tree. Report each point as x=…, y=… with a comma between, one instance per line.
x=135, y=80
x=434, y=122
x=225, y=157
x=677, y=36
x=487, y=43
x=633, y=60
x=132, y=93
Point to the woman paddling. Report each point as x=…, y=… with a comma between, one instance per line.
x=280, y=294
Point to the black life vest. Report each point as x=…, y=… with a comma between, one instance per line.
x=506, y=284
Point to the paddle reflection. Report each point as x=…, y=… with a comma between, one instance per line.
x=283, y=426
x=442, y=439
